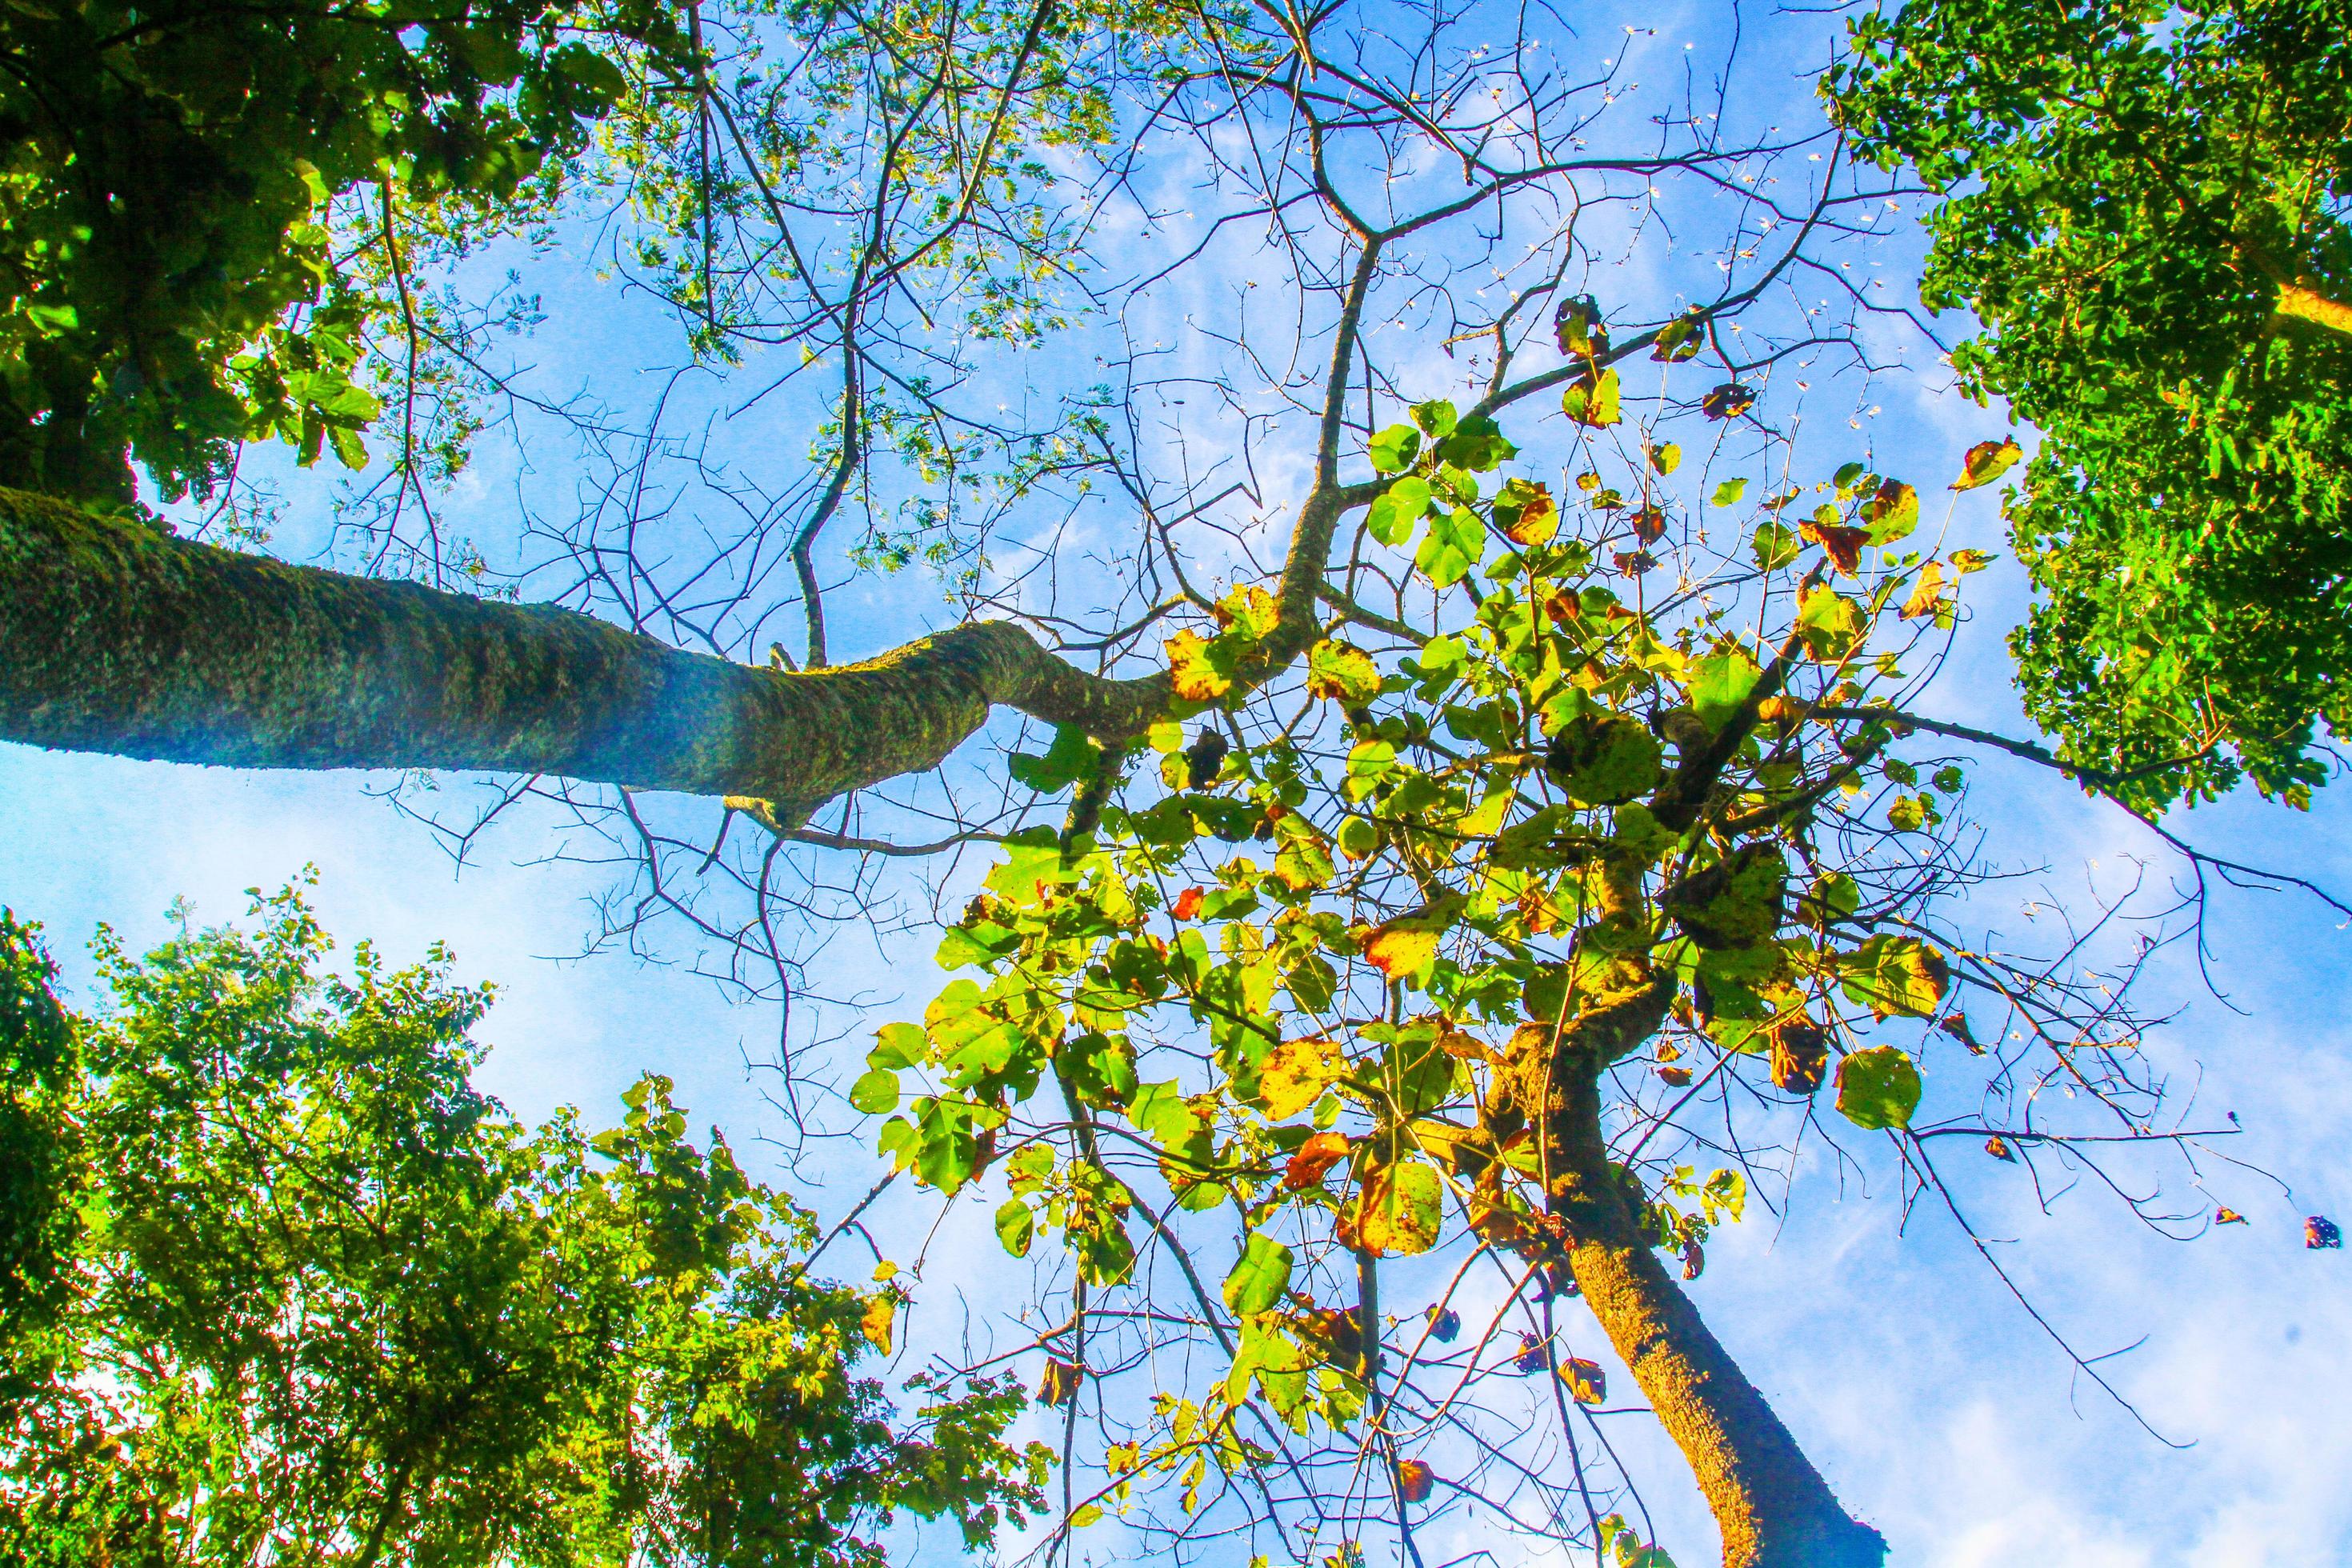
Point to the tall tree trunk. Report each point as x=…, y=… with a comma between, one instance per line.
x=115, y=637
x=1774, y=1507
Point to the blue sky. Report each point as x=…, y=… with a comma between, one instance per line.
x=1937, y=1408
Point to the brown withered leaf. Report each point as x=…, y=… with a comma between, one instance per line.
x=1842, y=544
x=1800, y=1056
x=1060, y=1383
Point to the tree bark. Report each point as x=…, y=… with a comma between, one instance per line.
x=1774, y=1507
x=2303, y=304
x=115, y=637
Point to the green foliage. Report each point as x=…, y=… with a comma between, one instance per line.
x=177, y=277
x=318, y=1297
x=2131, y=192
x=1316, y=989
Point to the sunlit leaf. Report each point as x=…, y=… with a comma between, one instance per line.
x=1397, y=1213
x=1260, y=1277
x=1878, y=1087
x=1394, y=449
x=1987, y=461
x=1338, y=671
x=881, y=1314
x=1314, y=1161
x=1592, y=401
x=1293, y=1074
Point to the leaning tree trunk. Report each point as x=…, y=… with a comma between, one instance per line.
x=1772, y=1506
x=115, y=637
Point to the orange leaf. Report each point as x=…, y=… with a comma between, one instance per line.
x=2228, y=1216
x=1187, y=904
x=1587, y=1383
x=1314, y=1161
x=1414, y=1479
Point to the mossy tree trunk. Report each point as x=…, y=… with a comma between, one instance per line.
x=115, y=637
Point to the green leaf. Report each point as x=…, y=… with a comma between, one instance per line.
x=876, y=1092
x=1829, y=624
x=1720, y=682
x=1456, y=542
x=1776, y=545
x=1728, y=492
x=1016, y=1226
x=1878, y=1087
x=898, y=1046
x=1394, y=449
x=1398, y=509
x=1896, y=975
x=1260, y=1278
x=1435, y=418
x=1369, y=760
x=1072, y=759
x=1593, y=402
x=1478, y=445
x=1666, y=459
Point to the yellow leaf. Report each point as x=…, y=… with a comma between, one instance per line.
x=1293, y=1076
x=1398, y=1210
x=1928, y=596
x=1250, y=611
x=1397, y=950
x=881, y=1312
x=1192, y=661
x=1400, y=946
x=1337, y=670
x=1987, y=461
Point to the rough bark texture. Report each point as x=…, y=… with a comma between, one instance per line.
x=115, y=637
x=1774, y=1507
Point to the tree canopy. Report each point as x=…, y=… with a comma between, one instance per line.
x=1463, y=807
x=2146, y=205
x=285, y=1286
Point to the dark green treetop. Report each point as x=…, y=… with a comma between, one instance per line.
x=166, y=173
